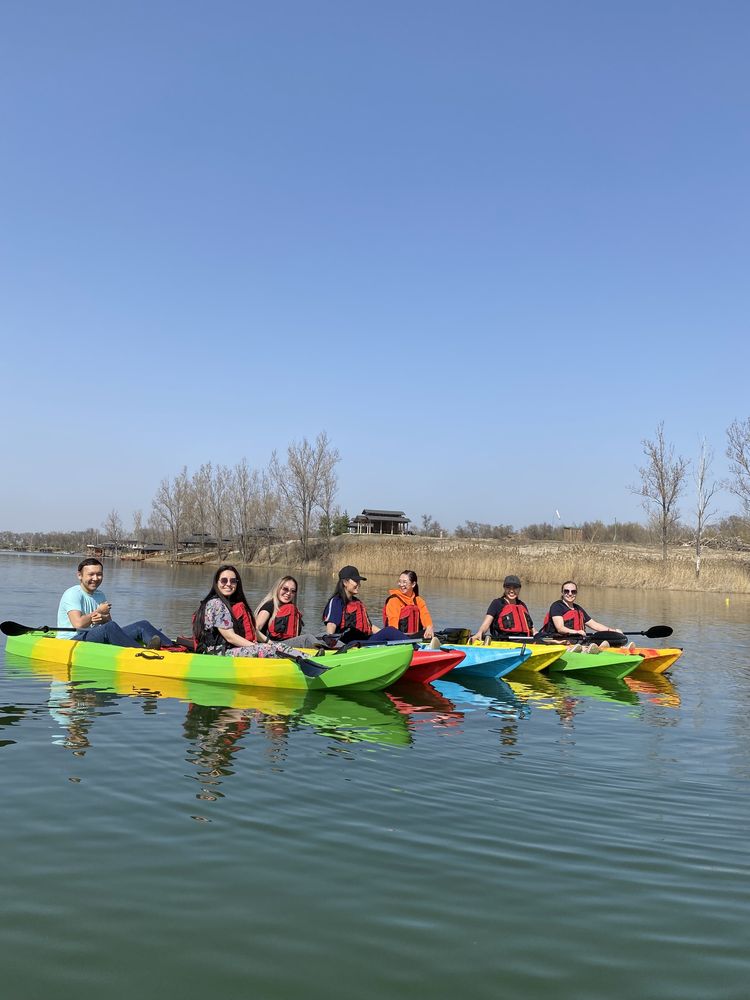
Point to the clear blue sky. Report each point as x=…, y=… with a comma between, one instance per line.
x=486, y=246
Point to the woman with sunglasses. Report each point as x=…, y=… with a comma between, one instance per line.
x=507, y=616
x=277, y=614
x=567, y=621
x=224, y=624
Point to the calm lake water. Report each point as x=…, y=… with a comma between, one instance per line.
x=490, y=840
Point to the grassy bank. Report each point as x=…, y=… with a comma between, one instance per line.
x=592, y=564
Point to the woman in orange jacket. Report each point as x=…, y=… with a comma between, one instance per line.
x=405, y=610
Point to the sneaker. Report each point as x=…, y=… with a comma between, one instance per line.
x=434, y=642
x=154, y=642
x=604, y=645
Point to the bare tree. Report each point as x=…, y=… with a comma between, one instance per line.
x=169, y=507
x=113, y=529
x=200, y=501
x=704, y=493
x=306, y=482
x=138, y=525
x=738, y=453
x=662, y=482
x=218, y=501
x=268, y=510
x=244, y=510
x=431, y=527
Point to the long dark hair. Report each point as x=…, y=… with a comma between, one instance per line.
x=412, y=578
x=339, y=592
x=239, y=595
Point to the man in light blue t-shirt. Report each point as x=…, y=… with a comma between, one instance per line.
x=86, y=608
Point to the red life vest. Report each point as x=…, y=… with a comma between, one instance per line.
x=211, y=640
x=409, y=620
x=573, y=618
x=355, y=616
x=513, y=619
x=243, y=621
x=285, y=623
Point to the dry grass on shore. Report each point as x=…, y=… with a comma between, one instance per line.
x=603, y=565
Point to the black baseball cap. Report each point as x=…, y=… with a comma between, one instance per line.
x=350, y=573
x=511, y=581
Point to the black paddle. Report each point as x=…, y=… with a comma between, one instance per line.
x=655, y=632
x=13, y=628
x=308, y=667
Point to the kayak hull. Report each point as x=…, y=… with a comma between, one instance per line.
x=607, y=663
x=429, y=664
x=655, y=661
x=483, y=661
x=361, y=669
x=542, y=655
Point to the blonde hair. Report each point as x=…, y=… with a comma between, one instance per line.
x=273, y=594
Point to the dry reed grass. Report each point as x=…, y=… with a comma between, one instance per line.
x=603, y=565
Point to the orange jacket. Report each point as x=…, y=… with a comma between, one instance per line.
x=392, y=609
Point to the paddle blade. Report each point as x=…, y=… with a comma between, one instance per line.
x=309, y=667
x=658, y=632
x=13, y=628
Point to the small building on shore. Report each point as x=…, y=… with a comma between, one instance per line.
x=380, y=522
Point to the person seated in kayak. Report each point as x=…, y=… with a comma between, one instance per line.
x=277, y=615
x=224, y=624
x=507, y=616
x=86, y=608
x=346, y=615
x=405, y=610
x=567, y=621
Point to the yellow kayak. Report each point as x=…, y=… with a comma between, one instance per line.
x=655, y=661
x=542, y=654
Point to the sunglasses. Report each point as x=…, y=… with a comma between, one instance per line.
x=227, y=580
x=566, y=591
x=287, y=590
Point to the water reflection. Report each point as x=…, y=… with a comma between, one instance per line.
x=10, y=715
x=215, y=735
x=217, y=715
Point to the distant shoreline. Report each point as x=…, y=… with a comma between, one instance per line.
x=602, y=564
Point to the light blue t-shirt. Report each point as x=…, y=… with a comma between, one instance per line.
x=76, y=599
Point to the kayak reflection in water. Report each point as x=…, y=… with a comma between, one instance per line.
x=86, y=608
x=567, y=621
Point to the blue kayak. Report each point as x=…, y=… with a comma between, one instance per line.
x=484, y=661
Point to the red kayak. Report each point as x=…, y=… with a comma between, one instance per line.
x=429, y=664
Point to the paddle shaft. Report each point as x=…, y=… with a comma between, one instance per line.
x=13, y=628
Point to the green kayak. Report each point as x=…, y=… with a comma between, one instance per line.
x=615, y=665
